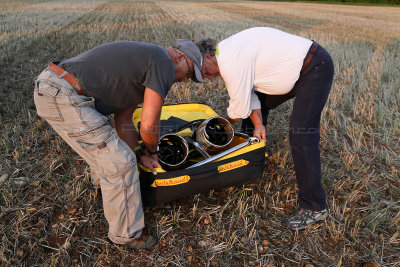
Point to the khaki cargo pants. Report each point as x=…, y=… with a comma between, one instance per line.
x=113, y=164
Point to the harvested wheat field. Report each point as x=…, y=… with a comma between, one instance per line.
x=52, y=215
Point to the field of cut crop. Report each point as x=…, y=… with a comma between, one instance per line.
x=52, y=215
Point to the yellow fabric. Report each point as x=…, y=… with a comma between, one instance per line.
x=191, y=112
x=187, y=112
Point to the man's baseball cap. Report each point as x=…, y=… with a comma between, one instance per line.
x=193, y=52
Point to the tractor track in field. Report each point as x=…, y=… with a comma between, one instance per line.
x=265, y=17
x=28, y=55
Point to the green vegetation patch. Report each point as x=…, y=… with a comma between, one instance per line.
x=348, y=2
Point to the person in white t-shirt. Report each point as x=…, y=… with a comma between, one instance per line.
x=262, y=68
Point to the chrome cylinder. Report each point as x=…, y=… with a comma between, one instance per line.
x=173, y=151
x=214, y=134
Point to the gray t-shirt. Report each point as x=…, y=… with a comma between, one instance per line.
x=116, y=74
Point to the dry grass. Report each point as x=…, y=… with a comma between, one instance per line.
x=51, y=215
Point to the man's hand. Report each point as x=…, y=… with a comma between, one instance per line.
x=260, y=132
x=150, y=161
x=259, y=128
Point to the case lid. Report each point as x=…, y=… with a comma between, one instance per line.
x=173, y=116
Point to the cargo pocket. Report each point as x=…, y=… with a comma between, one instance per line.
x=112, y=155
x=45, y=97
x=84, y=106
x=82, y=101
x=93, y=137
x=116, y=159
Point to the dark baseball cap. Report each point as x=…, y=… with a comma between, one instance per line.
x=192, y=51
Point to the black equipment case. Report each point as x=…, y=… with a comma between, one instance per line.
x=242, y=166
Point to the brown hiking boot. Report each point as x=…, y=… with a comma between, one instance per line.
x=142, y=242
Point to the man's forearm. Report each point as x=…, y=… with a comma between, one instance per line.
x=232, y=120
x=150, y=119
x=259, y=128
x=128, y=133
x=150, y=137
x=256, y=117
x=125, y=127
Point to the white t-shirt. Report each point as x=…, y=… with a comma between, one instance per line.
x=259, y=59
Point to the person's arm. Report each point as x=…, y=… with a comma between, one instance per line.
x=232, y=120
x=244, y=102
x=259, y=128
x=150, y=127
x=238, y=75
x=125, y=127
x=254, y=105
x=150, y=119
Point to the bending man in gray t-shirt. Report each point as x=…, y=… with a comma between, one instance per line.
x=75, y=96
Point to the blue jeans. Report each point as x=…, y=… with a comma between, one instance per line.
x=311, y=92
